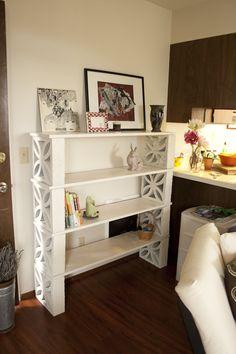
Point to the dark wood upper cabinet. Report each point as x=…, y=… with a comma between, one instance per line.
x=202, y=73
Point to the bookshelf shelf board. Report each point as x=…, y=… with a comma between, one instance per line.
x=101, y=175
x=119, y=210
x=98, y=253
x=77, y=135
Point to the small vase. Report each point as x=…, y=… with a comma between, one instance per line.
x=208, y=163
x=156, y=117
x=195, y=161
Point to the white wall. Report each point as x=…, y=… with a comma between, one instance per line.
x=206, y=19
x=49, y=43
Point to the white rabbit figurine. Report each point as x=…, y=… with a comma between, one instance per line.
x=133, y=160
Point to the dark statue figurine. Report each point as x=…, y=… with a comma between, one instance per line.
x=156, y=116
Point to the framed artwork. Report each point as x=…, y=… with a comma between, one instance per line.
x=121, y=96
x=97, y=122
x=58, y=110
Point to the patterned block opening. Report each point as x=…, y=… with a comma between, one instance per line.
x=152, y=217
x=151, y=253
x=43, y=289
x=43, y=249
x=153, y=186
x=42, y=206
x=155, y=151
x=42, y=160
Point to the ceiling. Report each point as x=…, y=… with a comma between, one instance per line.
x=176, y=4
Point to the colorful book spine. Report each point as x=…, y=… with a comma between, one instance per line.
x=73, y=215
x=70, y=211
x=75, y=219
x=67, y=222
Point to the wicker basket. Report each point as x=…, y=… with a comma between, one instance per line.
x=146, y=232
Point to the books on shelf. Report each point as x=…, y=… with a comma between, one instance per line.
x=73, y=215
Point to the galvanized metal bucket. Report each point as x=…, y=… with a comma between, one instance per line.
x=7, y=305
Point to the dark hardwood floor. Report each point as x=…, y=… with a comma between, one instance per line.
x=129, y=307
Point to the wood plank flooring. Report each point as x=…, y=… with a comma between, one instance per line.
x=129, y=307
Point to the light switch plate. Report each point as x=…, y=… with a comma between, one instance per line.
x=24, y=154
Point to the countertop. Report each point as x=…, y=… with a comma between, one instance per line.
x=213, y=177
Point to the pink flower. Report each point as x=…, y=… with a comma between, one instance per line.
x=191, y=137
x=202, y=141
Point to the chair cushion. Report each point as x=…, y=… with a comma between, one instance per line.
x=228, y=246
x=201, y=288
x=230, y=285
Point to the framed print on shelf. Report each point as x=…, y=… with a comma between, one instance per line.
x=121, y=96
x=58, y=110
x=97, y=122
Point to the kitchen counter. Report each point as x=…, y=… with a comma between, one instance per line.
x=213, y=177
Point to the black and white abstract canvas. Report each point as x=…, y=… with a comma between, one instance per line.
x=58, y=110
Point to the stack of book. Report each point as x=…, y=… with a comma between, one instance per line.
x=73, y=215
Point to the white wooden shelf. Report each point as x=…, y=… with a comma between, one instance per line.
x=93, y=176
x=109, y=134
x=95, y=254
x=119, y=210
x=102, y=175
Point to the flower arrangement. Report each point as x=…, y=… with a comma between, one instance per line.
x=198, y=143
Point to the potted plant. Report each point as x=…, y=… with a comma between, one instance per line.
x=208, y=159
x=9, y=260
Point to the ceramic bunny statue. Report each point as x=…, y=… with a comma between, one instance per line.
x=133, y=160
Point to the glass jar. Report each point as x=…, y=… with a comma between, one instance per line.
x=195, y=160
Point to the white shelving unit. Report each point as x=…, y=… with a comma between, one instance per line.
x=97, y=162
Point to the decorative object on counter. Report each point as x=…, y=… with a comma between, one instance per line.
x=195, y=162
x=97, y=122
x=208, y=159
x=224, y=149
x=229, y=170
x=227, y=159
x=156, y=117
x=197, y=142
x=116, y=127
x=58, y=110
x=119, y=95
x=133, y=160
x=208, y=163
x=9, y=261
x=91, y=210
x=179, y=159
x=146, y=231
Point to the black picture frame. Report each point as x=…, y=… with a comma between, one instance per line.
x=120, y=95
